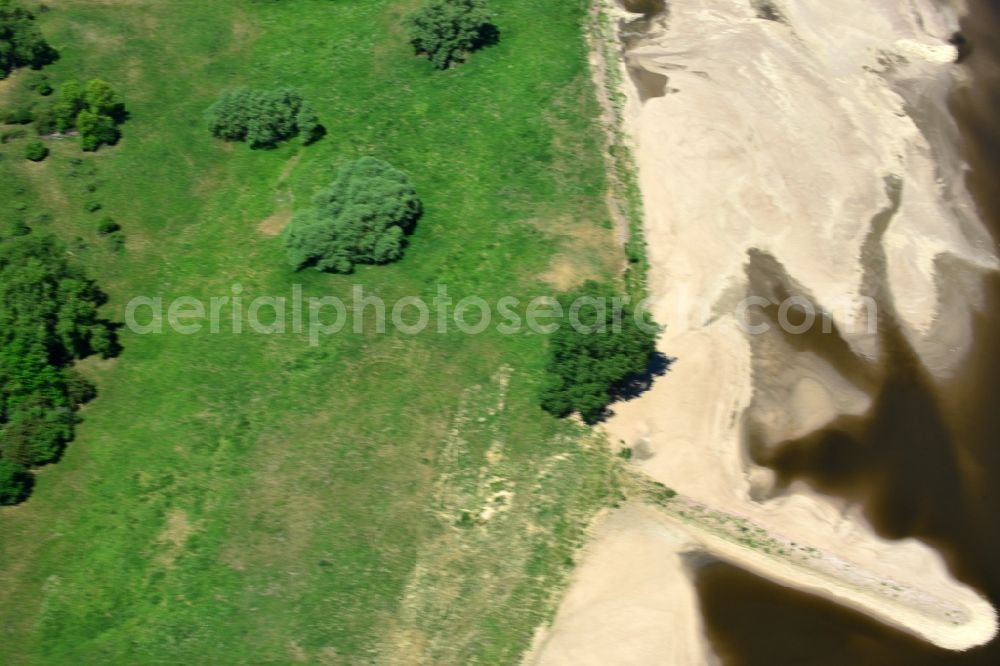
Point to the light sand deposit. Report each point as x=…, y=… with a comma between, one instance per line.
x=632, y=602
x=815, y=152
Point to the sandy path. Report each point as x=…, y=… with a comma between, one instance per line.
x=812, y=151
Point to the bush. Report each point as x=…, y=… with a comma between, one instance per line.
x=15, y=482
x=38, y=83
x=586, y=366
x=69, y=103
x=35, y=151
x=103, y=100
x=308, y=125
x=10, y=135
x=116, y=240
x=21, y=116
x=21, y=43
x=45, y=120
x=96, y=130
x=92, y=206
x=362, y=218
x=446, y=30
x=107, y=226
x=262, y=117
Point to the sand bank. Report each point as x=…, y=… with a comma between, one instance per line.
x=797, y=149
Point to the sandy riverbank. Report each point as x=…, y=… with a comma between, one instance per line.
x=807, y=155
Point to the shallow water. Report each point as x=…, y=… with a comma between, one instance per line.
x=924, y=463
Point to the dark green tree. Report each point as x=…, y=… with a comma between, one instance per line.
x=48, y=319
x=35, y=151
x=15, y=482
x=363, y=217
x=446, y=30
x=596, y=349
x=21, y=42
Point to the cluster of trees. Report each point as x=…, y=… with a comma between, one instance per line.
x=263, y=117
x=48, y=319
x=94, y=110
x=363, y=217
x=21, y=42
x=447, y=30
x=595, y=352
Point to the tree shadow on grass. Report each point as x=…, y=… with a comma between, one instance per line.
x=489, y=35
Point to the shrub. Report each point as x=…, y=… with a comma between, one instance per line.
x=35, y=151
x=38, y=83
x=446, y=30
x=69, y=103
x=96, y=130
x=116, y=240
x=21, y=43
x=10, y=135
x=92, y=206
x=308, y=124
x=103, y=100
x=21, y=116
x=45, y=120
x=262, y=117
x=15, y=482
x=107, y=226
x=589, y=358
x=361, y=218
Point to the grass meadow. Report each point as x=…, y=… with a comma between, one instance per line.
x=249, y=499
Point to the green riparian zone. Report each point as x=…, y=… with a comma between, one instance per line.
x=237, y=499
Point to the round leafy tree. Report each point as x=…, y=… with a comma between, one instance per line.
x=596, y=350
x=446, y=30
x=363, y=217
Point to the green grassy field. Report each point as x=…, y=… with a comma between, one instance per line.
x=248, y=499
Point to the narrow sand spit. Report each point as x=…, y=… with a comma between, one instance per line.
x=805, y=149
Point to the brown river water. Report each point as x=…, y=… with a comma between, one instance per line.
x=924, y=463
